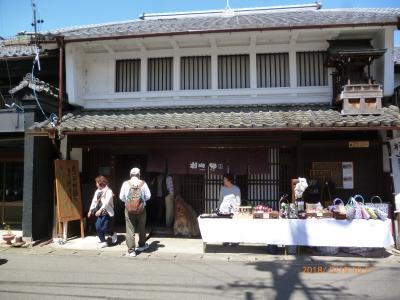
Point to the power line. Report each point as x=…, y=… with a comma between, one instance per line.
x=52, y=119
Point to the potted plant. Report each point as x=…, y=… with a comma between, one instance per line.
x=8, y=236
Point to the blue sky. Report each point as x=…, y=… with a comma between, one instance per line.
x=16, y=15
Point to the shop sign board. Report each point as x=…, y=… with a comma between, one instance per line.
x=359, y=144
x=203, y=167
x=68, y=190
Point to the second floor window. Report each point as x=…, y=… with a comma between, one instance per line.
x=233, y=71
x=195, y=72
x=127, y=77
x=160, y=74
x=311, y=70
x=273, y=70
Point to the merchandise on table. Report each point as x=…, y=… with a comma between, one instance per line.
x=381, y=207
x=338, y=209
x=243, y=212
x=261, y=212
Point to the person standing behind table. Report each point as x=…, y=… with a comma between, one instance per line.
x=135, y=221
x=103, y=208
x=229, y=195
x=169, y=201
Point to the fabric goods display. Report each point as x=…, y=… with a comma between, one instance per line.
x=358, y=214
x=371, y=212
x=384, y=207
x=365, y=214
x=380, y=214
x=350, y=209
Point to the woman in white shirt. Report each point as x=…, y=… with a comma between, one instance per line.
x=103, y=208
x=229, y=196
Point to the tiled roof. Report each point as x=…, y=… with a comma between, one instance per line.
x=35, y=84
x=396, y=55
x=267, y=117
x=17, y=51
x=265, y=20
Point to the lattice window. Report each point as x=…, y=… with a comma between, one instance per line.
x=233, y=71
x=195, y=72
x=273, y=70
x=127, y=75
x=311, y=70
x=160, y=76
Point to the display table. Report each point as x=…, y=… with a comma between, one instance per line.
x=309, y=232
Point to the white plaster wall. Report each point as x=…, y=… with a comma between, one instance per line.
x=91, y=75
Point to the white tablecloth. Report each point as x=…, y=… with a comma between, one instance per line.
x=309, y=232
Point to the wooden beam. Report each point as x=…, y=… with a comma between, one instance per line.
x=108, y=48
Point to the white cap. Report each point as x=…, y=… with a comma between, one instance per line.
x=135, y=171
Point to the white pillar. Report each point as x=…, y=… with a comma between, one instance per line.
x=388, y=75
x=253, y=69
x=176, y=73
x=64, y=147
x=214, y=71
x=292, y=67
x=111, y=75
x=143, y=74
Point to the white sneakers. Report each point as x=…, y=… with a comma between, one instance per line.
x=130, y=254
x=114, y=238
x=103, y=245
x=143, y=248
x=138, y=249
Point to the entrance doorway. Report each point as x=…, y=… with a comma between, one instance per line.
x=11, y=191
x=123, y=165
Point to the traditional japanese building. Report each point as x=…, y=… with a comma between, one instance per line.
x=267, y=94
x=19, y=111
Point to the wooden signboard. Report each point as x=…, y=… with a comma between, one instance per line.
x=68, y=193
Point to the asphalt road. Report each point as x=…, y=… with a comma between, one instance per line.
x=58, y=275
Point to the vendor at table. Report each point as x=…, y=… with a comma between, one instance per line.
x=229, y=196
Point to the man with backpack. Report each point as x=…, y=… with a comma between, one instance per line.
x=135, y=193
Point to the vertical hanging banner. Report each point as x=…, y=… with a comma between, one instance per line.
x=395, y=153
x=68, y=190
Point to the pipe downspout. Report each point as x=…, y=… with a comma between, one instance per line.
x=61, y=45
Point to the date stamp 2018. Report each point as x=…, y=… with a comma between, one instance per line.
x=334, y=269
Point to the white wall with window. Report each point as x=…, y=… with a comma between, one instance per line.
x=227, y=68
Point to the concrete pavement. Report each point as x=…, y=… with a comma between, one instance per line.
x=59, y=273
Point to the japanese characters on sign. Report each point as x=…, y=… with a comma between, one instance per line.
x=68, y=193
x=202, y=167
